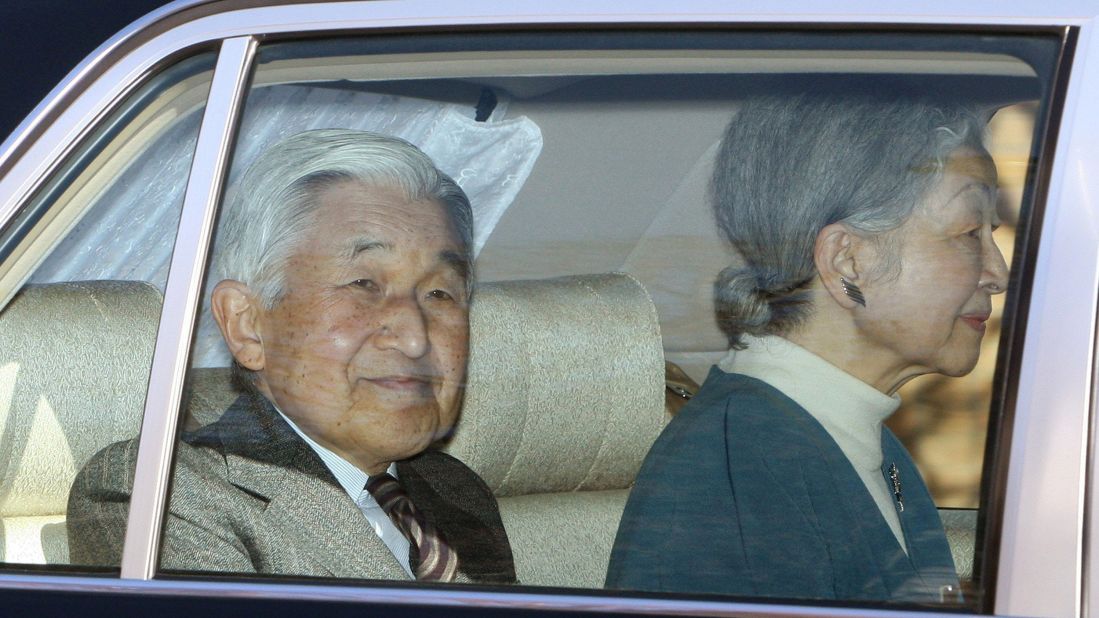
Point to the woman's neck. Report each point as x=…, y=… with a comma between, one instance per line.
x=836, y=340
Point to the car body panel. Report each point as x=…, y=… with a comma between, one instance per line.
x=1044, y=543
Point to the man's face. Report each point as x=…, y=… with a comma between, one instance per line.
x=366, y=350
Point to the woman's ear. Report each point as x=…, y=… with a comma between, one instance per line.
x=236, y=313
x=836, y=256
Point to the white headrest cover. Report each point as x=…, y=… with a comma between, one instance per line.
x=566, y=384
x=74, y=368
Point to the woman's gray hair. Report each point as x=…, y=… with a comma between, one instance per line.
x=271, y=208
x=789, y=166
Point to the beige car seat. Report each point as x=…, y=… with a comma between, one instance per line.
x=565, y=397
x=74, y=369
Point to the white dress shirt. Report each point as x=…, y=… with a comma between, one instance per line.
x=850, y=410
x=353, y=481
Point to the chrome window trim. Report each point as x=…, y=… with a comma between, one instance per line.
x=1041, y=551
x=370, y=594
x=1015, y=329
x=1039, y=575
x=181, y=299
x=1086, y=197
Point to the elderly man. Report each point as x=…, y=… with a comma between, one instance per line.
x=345, y=263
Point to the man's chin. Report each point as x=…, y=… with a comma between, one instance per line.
x=410, y=443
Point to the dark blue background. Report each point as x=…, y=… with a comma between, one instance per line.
x=42, y=40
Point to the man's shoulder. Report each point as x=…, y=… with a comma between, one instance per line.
x=112, y=468
x=446, y=476
x=201, y=445
x=110, y=472
x=238, y=423
x=99, y=497
x=463, y=506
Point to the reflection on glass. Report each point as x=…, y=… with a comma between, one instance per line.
x=76, y=343
x=865, y=230
x=592, y=324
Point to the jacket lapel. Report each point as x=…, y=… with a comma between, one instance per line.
x=461, y=506
x=321, y=523
x=307, y=510
x=869, y=563
x=928, y=550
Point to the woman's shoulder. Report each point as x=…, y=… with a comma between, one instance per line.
x=742, y=403
x=744, y=409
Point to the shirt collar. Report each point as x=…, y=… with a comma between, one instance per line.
x=349, y=476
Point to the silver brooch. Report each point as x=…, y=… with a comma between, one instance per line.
x=896, y=480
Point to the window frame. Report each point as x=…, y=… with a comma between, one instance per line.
x=182, y=295
x=94, y=88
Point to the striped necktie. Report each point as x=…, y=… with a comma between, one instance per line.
x=434, y=560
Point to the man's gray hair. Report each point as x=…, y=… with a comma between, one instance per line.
x=789, y=166
x=272, y=206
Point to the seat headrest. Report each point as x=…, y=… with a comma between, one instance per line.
x=565, y=385
x=74, y=369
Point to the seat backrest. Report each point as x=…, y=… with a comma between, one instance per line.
x=565, y=396
x=74, y=369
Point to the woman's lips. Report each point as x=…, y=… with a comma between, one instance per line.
x=976, y=321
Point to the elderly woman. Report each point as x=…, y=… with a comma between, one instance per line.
x=865, y=226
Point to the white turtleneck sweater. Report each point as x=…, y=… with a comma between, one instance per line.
x=850, y=410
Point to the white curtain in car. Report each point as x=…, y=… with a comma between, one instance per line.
x=129, y=232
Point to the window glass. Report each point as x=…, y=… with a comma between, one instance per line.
x=709, y=268
x=76, y=338
x=943, y=419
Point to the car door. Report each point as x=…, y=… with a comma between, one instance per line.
x=585, y=139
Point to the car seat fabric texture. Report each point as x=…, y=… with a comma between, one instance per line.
x=565, y=395
x=74, y=369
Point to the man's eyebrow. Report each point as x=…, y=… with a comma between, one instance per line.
x=361, y=245
x=456, y=261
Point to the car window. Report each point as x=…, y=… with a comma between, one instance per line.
x=88, y=264
x=642, y=306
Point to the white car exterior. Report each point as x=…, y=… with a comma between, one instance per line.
x=1047, y=549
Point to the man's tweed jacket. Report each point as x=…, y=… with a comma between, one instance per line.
x=249, y=496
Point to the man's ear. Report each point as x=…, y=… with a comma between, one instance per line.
x=836, y=256
x=236, y=311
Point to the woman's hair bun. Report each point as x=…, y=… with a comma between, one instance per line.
x=747, y=302
x=741, y=305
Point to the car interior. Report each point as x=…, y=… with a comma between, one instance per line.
x=593, y=319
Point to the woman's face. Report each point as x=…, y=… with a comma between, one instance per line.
x=927, y=313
